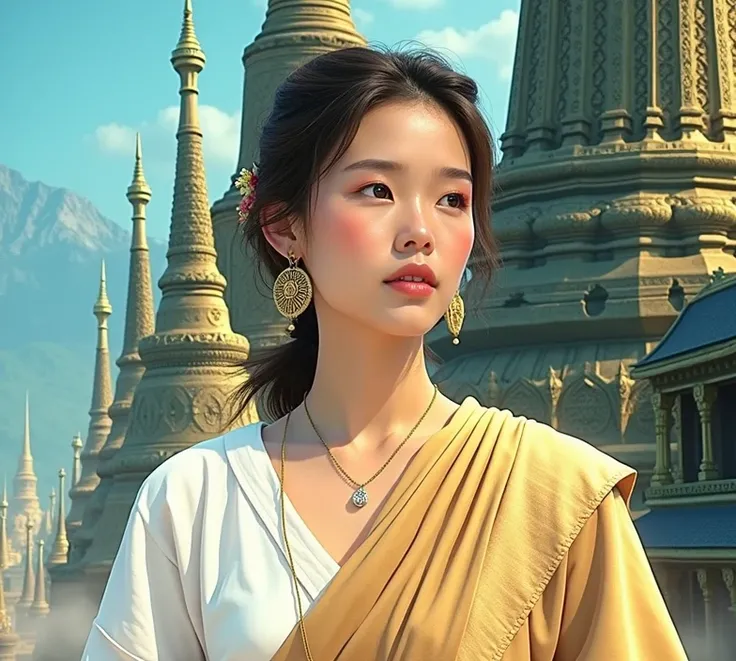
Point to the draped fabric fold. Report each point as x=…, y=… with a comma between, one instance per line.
x=465, y=544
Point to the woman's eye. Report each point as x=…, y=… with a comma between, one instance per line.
x=455, y=200
x=379, y=191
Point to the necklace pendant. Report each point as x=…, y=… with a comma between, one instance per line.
x=360, y=497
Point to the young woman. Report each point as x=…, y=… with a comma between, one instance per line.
x=375, y=518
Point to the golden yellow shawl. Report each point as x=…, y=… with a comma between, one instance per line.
x=467, y=544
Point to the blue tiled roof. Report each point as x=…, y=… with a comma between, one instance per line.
x=707, y=320
x=689, y=527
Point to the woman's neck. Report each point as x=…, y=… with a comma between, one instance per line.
x=368, y=387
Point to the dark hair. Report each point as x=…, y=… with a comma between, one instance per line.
x=316, y=113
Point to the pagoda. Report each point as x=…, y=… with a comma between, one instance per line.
x=614, y=205
x=294, y=32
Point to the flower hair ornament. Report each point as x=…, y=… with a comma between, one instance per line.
x=246, y=184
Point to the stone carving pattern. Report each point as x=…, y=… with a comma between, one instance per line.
x=515, y=111
x=145, y=415
x=705, y=588
x=535, y=70
x=642, y=414
x=625, y=403
x=139, y=322
x=554, y=387
x=563, y=80
x=191, y=226
x=730, y=63
x=709, y=488
x=666, y=62
x=523, y=398
x=208, y=409
x=585, y=409
x=600, y=33
x=176, y=405
x=641, y=62
x=725, y=74
x=616, y=50
x=577, y=73
x=701, y=57
x=686, y=54
x=728, y=579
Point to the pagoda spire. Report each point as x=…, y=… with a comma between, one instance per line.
x=139, y=323
x=4, y=542
x=24, y=503
x=294, y=32
x=60, y=550
x=8, y=639
x=192, y=358
x=24, y=496
x=29, y=576
x=40, y=606
x=99, y=418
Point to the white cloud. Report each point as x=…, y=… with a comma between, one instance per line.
x=221, y=135
x=115, y=138
x=417, y=4
x=494, y=41
x=362, y=17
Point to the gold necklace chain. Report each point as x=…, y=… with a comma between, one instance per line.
x=360, y=495
x=282, y=499
x=289, y=556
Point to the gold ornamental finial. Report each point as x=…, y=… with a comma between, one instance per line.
x=102, y=306
x=29, y=577
x=138, y=191
x=40, y=606
x=188, y=49
x=60, y=550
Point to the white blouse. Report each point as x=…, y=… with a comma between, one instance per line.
x=201, y=572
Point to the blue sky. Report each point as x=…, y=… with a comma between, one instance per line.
x=81, y=77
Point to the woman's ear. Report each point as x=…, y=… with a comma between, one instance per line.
x=278, y=230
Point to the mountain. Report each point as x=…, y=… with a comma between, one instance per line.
x=52, y=243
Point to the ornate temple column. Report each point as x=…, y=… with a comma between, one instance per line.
x=662, y=403
x=729, y=576
x=705, y=579
x=678, y=473
x=705, y=397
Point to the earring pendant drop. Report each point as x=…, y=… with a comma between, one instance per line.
x=455, y=316
x=292, y=291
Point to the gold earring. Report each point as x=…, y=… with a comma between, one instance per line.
x=455, y=316
x=292, y=291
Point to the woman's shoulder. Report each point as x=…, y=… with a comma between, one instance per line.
x=185, y=477
x=558, y=462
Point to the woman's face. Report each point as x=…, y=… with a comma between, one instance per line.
x=392, y=227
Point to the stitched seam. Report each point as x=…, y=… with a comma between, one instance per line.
x=582, y=520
